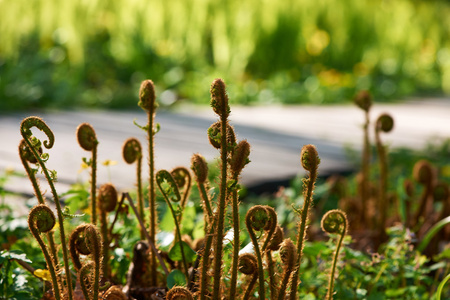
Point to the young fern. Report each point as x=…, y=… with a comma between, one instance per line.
x=238, y=161
x=107, y=201
x=170, y=192
x=364, y=101
x=179, y=293
x=334, y=222
x=258, y=219
x=86, y=240
x=384, y=123
x=132, y=152
x=34, y=144
x=200, y=169
x=87, y=139
x=423, y=173
x=26, y=156
x=219, y=139
x=147, y=101
x=248, y=265
x=288, y=254
x=183, y=179
x=310, y=161
x=41, y=220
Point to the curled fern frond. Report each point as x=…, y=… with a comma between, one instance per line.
x=219, y=98
x=248, y=265
x=179, y=293
x=86, y=136
x=240, y=157
x=147, y=97
x=107, y=197
x=131, y=150
x=41, y=219
x=334, y=222
x=30, y=122
x=288, y=254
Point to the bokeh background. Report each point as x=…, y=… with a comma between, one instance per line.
x=94, y=53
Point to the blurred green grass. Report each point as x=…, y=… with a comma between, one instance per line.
x=94, y=53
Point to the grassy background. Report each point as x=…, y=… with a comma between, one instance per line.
x=95, y=53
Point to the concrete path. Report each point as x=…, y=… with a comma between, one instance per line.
x=276, y=134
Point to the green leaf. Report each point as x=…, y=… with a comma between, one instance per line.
x=175, y=253
x=176, y=278
x=145, y=128
x=14, y=254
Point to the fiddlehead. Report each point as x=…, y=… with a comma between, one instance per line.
x=423, y=173
x=42, y=220
x=257, y=219
x=87, y=139
x=33, y=144
x=77, y=246
x=86, y=240
x=248, y=265
x=310, y=162
x=364, y=101
x=384, y=123
x=334, y=222
x=147, y=101
x=179, y=293
x=132, y=152
x=239, y=159
x=170, y=192
x=114, y=293
x=219, y=103
x=30, y=122
x=288, y=254
x=26, y=156
x=200, y=169
x=183, y=179
x=107, y=201
x=215, y=136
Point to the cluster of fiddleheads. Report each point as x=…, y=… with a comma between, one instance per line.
x=89, y=246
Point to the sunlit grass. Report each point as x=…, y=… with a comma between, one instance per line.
x=278, y=51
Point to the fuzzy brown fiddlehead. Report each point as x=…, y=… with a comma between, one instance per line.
x=147, y=101
x=424, y=173
x=200, y=169
x=77, y=246
x=169, y=189
x=114, y=293
x=385, y=123
x=87, y=139
x=86, y=240
x=219, y=103
x=132, y=152
x=288, y=254
x=42, y=220
x=179, y=293
x=258, y=219
x=183, y=179
x=107, y=201
x=364, y=101
x=334, y=222
x=310, y=162
x=248, y=265
x=33, y=144
x=239, y=159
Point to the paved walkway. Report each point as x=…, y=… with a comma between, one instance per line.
x=276, y=134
